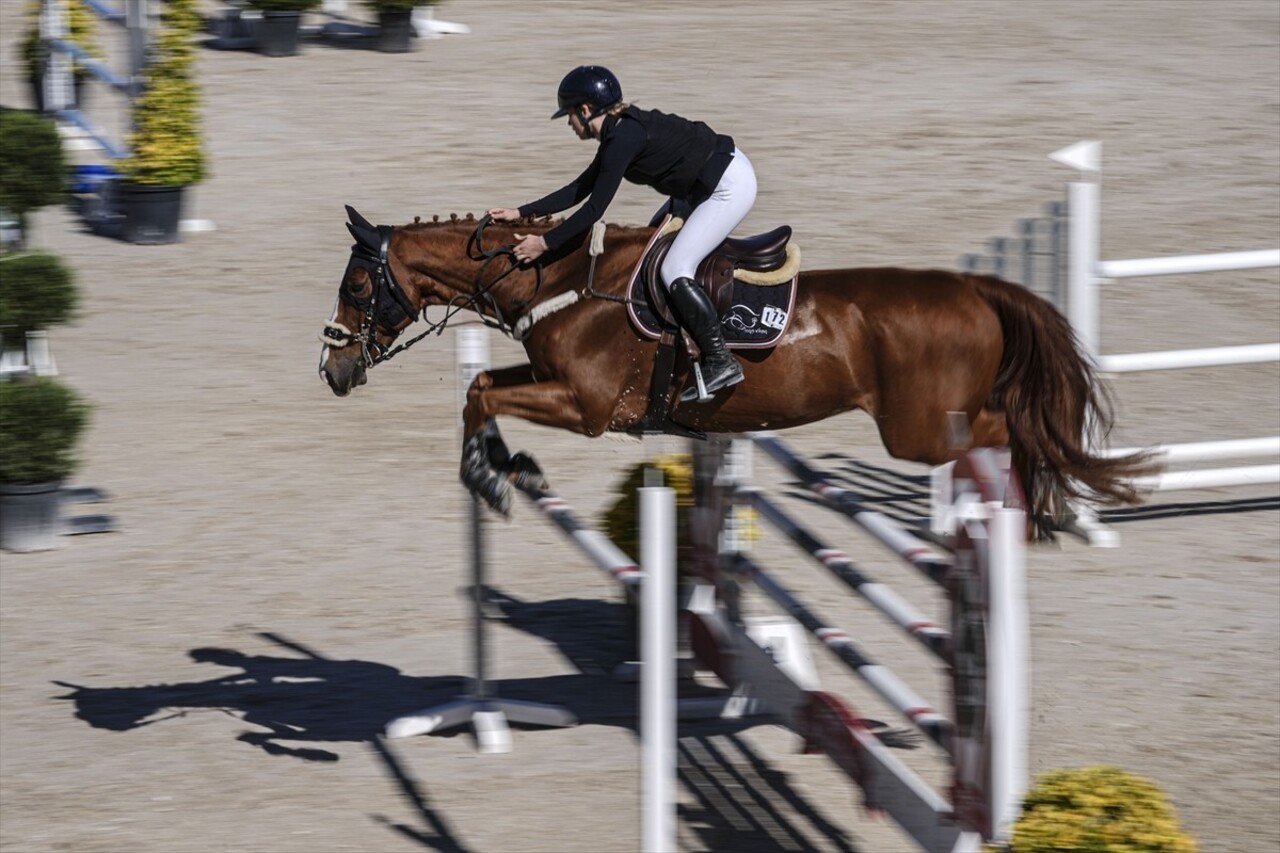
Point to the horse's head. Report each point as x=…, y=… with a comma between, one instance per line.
x=372, y=309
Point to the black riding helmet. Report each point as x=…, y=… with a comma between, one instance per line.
x=593, y=85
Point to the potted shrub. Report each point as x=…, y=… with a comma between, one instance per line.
x=81, y=31
x=276, y=33
x=167, y=153
x=40, y=425
x=395, y=23
x=1098, y=808
x=37, y=290
x=33, y=171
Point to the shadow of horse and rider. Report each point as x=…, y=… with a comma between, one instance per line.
x=307, y=706
x=301, y=698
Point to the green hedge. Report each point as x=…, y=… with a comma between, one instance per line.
x=40, y=423
x=37, y=290
x=33, y=171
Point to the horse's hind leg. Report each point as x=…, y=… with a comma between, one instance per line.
x=926, y=430
x=988, y=429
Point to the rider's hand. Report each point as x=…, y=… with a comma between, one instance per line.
x=504, y=214
x=530, y=248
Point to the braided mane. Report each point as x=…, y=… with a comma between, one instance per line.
x=470, y=220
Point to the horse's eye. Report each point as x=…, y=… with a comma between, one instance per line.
x=356, y=288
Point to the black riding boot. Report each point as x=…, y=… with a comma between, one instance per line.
x=698, y=315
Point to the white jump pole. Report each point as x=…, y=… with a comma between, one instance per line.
x=1213, y=478
x=1177, y=264
x=1082, y=260
x=658, y=672
x=1007, y=651
x=1204, y=451
x=1134, y=362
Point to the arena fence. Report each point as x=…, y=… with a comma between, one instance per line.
x=1036, y=257
x=1087, y=273
x=1057, y=256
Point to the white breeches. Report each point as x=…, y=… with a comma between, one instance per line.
x=712, y=221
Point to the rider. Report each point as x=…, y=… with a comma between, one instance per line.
x=699, y=169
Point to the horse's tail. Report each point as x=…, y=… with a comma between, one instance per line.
x=1054, y=407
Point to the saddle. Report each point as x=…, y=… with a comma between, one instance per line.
x=751, y=282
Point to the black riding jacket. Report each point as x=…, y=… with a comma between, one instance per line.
x=677, y=157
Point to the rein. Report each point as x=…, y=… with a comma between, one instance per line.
x=476, y=242
x=384, y=283
x=480, y=291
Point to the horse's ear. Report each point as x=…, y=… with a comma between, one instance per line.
x=366, y=235
x=356, y=219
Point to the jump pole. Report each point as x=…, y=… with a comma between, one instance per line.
x=990, y=732
x=608, y=557
x=937, y=640
x=825, y=722
x=915, y=551
x=487, y=714
x=658, y=673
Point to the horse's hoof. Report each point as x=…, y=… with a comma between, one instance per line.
x=497, y=494
x=493, y=490
x=525, y=473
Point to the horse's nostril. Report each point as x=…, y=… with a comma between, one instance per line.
x=331, y=382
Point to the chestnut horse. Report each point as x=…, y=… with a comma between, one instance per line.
x=906, y=346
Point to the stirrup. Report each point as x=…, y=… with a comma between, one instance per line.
x=702, y=391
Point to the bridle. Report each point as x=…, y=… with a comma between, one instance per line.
x=388, y=305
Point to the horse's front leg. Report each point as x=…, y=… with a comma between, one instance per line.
x=488, y=467
x=478, y=470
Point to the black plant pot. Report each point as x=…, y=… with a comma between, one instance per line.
x=151, y=214
x=395, y=30
x=277, y=33
x=30, y=517
x=77, y=92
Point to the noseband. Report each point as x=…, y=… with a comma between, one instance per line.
x=385, y=308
